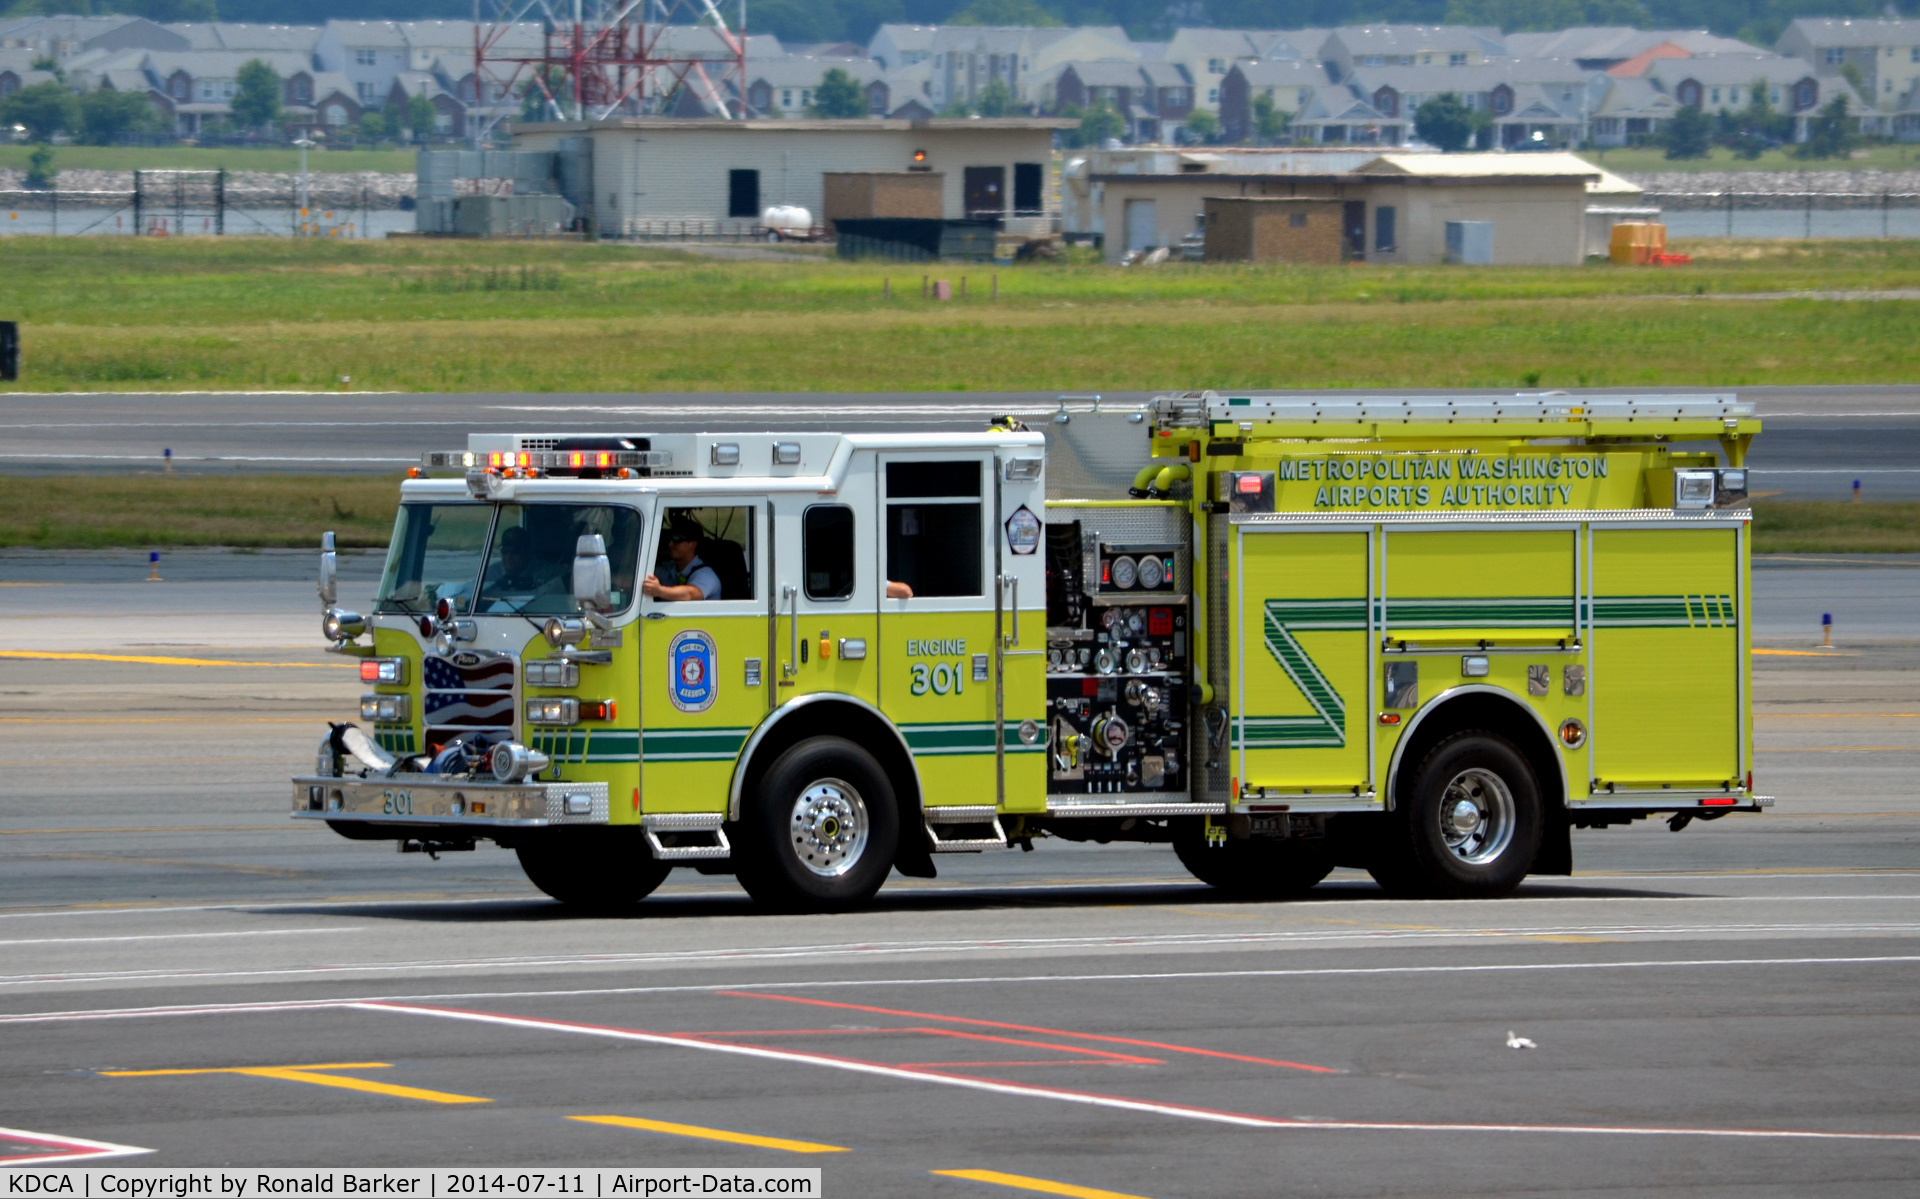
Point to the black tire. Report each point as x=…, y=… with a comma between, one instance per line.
x=599, y=870
x=1255, y=869
x=1468, y=826
x=820, y=831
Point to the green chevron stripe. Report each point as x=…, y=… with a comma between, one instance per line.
x=1329, y=726
x=1664, y=611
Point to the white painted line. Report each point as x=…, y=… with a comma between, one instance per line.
x=305, y=1005
x=1149, y=943
x=260, y=932
x=184, y=458
x=1114, y=1102
x=62, y=1149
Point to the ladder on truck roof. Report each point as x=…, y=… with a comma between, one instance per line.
x=1524, y=415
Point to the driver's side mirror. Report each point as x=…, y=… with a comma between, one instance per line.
x=592, y=574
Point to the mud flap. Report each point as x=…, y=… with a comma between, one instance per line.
x=1556, y=843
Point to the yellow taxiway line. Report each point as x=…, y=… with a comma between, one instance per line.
x=308, y=1074
x=711, y=1134
x=157, y=660
x=1043, y=1185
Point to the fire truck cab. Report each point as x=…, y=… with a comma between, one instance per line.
x=1423, y=637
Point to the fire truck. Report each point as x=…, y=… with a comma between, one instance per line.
x=1424, y=637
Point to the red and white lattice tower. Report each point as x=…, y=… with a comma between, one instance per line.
x=586, y=60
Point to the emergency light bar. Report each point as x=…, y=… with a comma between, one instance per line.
x=546, y=459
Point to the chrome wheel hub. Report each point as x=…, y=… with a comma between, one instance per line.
x=1477, y=816
x=829, y=827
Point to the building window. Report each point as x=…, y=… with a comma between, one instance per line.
x=1776, y=97
x=1733, y=95
x=302, y=91
x=1373, y=60
x=1213, y=95
x=1716, y=95
x=366, y=90
x=442, y=122
x=743, y=194
x=1456, y=60
x=1383, y=232
x=1216, y=66
x=1913, y=55
x=786, y=98
x=336, y=115
x=366, y=58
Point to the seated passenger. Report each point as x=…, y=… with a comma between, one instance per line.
x=691, y=578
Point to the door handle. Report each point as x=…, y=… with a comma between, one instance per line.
x=791, y=666
x=1012, y=583
x=656, y=614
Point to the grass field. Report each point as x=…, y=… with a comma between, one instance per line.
x=210, y=158
x=1637, y=160
x=114, y=314
x=154, y=511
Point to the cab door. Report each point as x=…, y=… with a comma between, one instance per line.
x=940, y=618
x=824, y=632
x=703, y=663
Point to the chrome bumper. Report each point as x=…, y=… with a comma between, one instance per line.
x=423, y=800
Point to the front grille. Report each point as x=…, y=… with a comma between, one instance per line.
x=468, y=691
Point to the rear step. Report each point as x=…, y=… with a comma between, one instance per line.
x=967, y=828
x=688, y=831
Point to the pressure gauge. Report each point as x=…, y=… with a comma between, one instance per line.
x=1136, y=624
x=1136, y=661
x=1125, y=573
x=1152, y=572
x=1107, y=662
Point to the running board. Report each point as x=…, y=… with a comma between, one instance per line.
x=1057, y=808
x=682, y=825
x=977, y=824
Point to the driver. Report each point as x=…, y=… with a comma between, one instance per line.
x=691, y=579
x=515, y=571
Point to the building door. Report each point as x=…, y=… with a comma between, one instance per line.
x=1028, y=181
x=703, y=660
x=986, y=191
x=1354, y=216
x=743, y=194
x=1143, y=225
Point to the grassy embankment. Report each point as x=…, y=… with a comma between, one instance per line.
x=149, y=510
x=210, y=158
x=127, y=314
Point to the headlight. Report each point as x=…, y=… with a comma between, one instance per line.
x=561, y=710
x=386, y=709
x=552, y=672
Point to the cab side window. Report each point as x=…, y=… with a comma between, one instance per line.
x=709, y=547
x=827, y=550
x=933, y=527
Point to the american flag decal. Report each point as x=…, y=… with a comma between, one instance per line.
x=462, y=696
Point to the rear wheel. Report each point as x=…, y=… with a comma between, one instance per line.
x=820, y=833
x=597, y=870
x=1470, y=825
x=1255, y=869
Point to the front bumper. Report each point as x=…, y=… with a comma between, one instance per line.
x=414, y=800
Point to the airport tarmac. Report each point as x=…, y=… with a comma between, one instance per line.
x=1729, y=1010
x=1818, y=439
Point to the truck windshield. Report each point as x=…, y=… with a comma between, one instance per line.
x=530, y=568
x=435, y=555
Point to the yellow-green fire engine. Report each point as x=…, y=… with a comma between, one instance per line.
x=1427, y=637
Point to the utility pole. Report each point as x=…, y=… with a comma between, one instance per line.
x=305, y=143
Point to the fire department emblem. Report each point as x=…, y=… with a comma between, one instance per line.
x=692, y=684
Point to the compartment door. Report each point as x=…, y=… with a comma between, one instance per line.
x=1302, y=667
x=1666, y=674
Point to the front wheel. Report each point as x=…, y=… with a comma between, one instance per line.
x=1470, y=825
x=594, y=870
x=1255, y=869
x=820, y=833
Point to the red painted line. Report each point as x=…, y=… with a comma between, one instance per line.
x=1114, y=1102
x=1052, y=1032
x=972, y=1065
x=1120, y=1058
